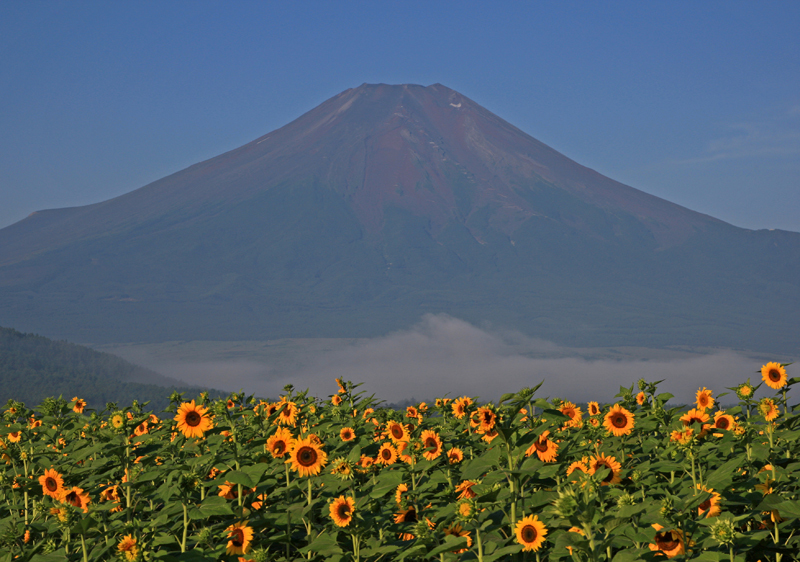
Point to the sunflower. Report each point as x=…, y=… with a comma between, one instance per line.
x=619, y=421
x=432, y=443
x=768, y=409
x=465, y=509
x=723, y=421
x=774, y=375
x=280, y=443
x=193, y=420
x=412, y=412
x=15, y=436
x=141, y=429
x=745, y=390
x=593, y=408
x=490, y=435
x=460, y=406
x=396, y=431
x=110, y=494
x=347, y=434
x=365, y=463
x=704, y=399
x=75, y=496
x=602, y=461
x=667, y=542
x=574, y=414
x=398, y=493
x=387, y=454
x=641, y=398
x=580, y=466
x=288, y=412
x=336, y=399
x=455, y=455
x=465, y=490
x=402, y=455
x=406, y=516
x=544, y=448
x=239, y=537
x=228, y=490
x=117, y=421
x=695, y=416
x=127, y=547
x=711, y=506
x=682, y=437
x=307, y=457
x=80, y=404
x=342, y=509
x=530, y=533
x=457, y=531
x=52, y=483
x=486, y=419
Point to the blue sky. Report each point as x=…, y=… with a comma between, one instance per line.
x=696, y=102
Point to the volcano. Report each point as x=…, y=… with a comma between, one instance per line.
x=380, y=205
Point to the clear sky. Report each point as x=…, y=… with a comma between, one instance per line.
x=696, y=102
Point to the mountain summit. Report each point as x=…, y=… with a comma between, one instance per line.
x=379, y=205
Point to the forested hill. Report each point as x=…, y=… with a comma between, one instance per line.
x=33, y=367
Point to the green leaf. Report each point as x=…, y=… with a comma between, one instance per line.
x=213, y=505
x=324, y=544
x=387, y=481
x=723, y=476
x=355, y=454
x=451, y=543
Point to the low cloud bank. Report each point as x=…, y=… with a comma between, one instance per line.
x=446, y=356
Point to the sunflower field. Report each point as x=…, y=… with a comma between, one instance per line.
x=343, y=478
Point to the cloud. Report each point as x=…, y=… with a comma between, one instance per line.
x=442, y=356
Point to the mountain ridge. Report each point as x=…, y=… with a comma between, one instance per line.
x=379, y=205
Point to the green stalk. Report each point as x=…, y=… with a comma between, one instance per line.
x=185, y=527
x=480, y=545
x=83, y=547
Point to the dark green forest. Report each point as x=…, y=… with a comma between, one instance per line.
x=33, y=367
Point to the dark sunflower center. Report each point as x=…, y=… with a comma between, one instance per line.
x=193, y=419
x=610, y=476
x=774, y=375
x=667, y=541
x=72, y=498
x=703, y=400
x=619, y=421
x=430, y=442
x=722, y=423
x=705, y=505
x=541, y=445
x=307, y=456
x=397, y=431
x=348, y=435
x=593, y=411
x=386, y=454
x=569, y=412
x=529, y=533
x=237, y=537
x=51, y=484
x=695, y=420
x=343, y=511
x=279, y=447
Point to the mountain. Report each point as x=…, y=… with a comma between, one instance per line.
x=384, y=203
x=33, y=368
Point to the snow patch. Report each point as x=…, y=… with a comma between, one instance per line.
x=456, y=105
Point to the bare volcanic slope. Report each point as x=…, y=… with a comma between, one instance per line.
x=381, y=204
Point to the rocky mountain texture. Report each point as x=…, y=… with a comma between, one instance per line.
x=384, y=203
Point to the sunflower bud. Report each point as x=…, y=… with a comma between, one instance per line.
x=566, y=505
x=626, y=499
x=666, y=508
x=723, y=531
x=642, y=385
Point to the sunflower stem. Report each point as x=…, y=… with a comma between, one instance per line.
x=83, y=548
x=288, y=520
x=480, y=544
x=185, y=527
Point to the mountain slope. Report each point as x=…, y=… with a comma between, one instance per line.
x=33, y=368
x=381, y=204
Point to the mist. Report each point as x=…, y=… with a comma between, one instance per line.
x=445, y=356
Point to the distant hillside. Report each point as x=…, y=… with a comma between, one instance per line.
x=33, y=367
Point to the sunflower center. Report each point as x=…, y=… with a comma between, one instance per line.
x=722, y=423
x=279, y=448
x=307, y=456
x=529, y=533
x=72, y=498
x=430, y=442
x=541, y=445
x=667, y=541
x=193, y=419
x=774, y=375
x=51, y=484
x=237, y=537
x=397, y=431
x=386, y=454
x=705, y=505
x=344, y=511
x=619, y=421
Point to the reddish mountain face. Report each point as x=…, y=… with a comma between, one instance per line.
x=379, y=205
x=428, y=150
